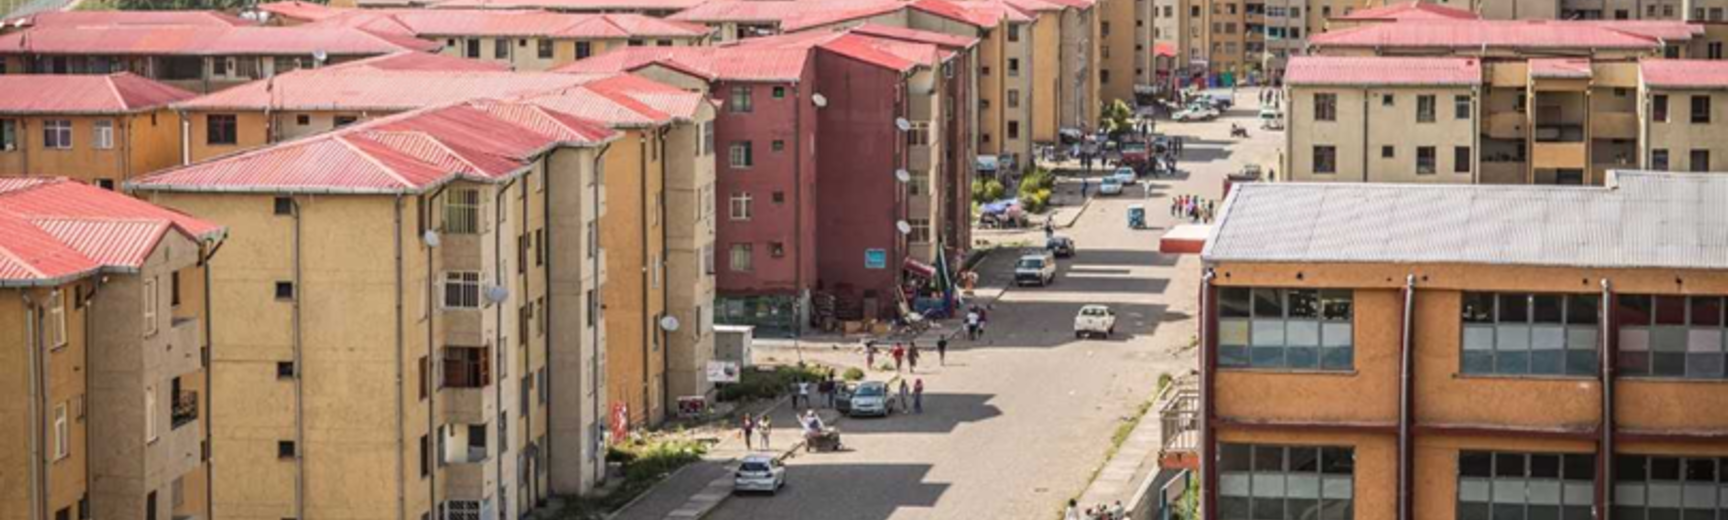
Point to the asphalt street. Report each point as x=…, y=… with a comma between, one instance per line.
x=1017, y=423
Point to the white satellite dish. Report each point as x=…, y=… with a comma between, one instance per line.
x=319, y=56
x=902, y=124
x=497, y=294
x=819, y=100
x=902, y=175
x=905, y=229
x=669, y=323
x=431, y=238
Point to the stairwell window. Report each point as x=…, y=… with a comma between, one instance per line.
x=920, y=231
x=1265, y=481
x=741, y=102
x=1530, y=334
x=62, y=432
x=151, y=297
x=1295, y=329
x=56, y=329
x=740, y=155
x=462, y=290
x=462, y=211
x=741, y=258
x=466, y=367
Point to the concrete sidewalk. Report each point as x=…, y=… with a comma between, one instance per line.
x=1127, y=471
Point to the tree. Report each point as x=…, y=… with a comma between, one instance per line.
x=1117, y=117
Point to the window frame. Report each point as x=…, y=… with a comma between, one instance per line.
x=1691, y=339
x=1326, y=106
x=1331, y=163
x=1427, y=160
x=1487, y=324
x=461, y=291
x=740, y=155
x=102, y=134
x=225, y=133
x=57, y=134
x=1427, y=108
x=462, y=207
x=740, y=206
x=1659, y=108
x=1329, y=314
x=749, y=256
x=1528, y=476
x=1328, y=473
x=741, y=100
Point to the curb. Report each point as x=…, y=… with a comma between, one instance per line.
x=1077, y=214
x=669, y=476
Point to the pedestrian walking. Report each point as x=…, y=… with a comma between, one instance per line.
x=899, y=354
x=765, y=428
x=1073, y=511
x=918, y=397
x=826, y=388
x=972, y=324
x=942, y=351
x=803, y=394
x=1085, y=187
x=749, y=428
x=912, y=359
x=983, y=320
x=870, y=355
x=903, y=397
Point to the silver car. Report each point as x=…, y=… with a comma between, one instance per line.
x=759, y=473
x=871, y=398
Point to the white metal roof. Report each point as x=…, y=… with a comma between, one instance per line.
x=1640, y=219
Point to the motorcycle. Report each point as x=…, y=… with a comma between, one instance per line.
x=1238, y=131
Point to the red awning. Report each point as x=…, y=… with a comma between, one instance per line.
x=1164, y=49
x=920, y=268
x=1184, y=239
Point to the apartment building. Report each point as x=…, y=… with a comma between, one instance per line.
x=1482, y=368
x=1125, y=50
x=99, y=129
x=1675, y=112
x=411, y=294
x=734, y=20
x=1388, y=119
x=212, y=19
x=1005, y=39
x=655, y=8
x=106, y=327
x=190, y=57
x=521, y=40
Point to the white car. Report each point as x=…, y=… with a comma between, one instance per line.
x=1094, y=320
x=1109, y=186
x=1195, y=112
x=759, y=473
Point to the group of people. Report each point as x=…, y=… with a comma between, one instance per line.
x=757, y=426
x=1193, y=208
x=826, y=386
x=916, y=396
x=976, y=318
x=1098, y=512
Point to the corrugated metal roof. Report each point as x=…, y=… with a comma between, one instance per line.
x=790, y=15
x=1560, y=68
x=977, y=14
x=1413, y=10
x=298, y=10
x=1641, y=220
x=1470, y=34
x=215, y=19
x=914, y=35
x=200, y=41
x=340, y=88
x=1699, y=74
x=408, y=153
x=573, y=5
x=1382, y=70
x=709, y=63
x=491, y=22
x=57, y=229
x=84, y=94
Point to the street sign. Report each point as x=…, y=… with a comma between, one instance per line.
x=875, y=259
x=722, y=371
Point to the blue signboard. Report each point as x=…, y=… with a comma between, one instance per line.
x=875, y=259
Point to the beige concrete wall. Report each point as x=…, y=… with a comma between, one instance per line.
x=1124, y=49
x=1365, y=124
x=251, y=132
x=523, y=53
x=142, y=143
x=64, y=369
x=576, y=367
x=1376, y=468
x=634, y=244
x=690, y=208
x=1043, y=69
x=1680, y=136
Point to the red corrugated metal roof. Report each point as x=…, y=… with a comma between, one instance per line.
x=487, y=22
x=346, y=88
x=295, y=9
x=1666, y=30
x=215, y=19
x=977, y=14
x=1377, y=70
x=409, y=60
x=1164, y=49
x=573, y=5
x=708, y=63
x=1699, y=74
x=1529, y=34
x=408, y=153
x=1413, y=10
x=200, y=41
x=1560, y=68
x=663, y=98
x=889, y=53
x=57, y=229
x=790, y=15
x=84, y=94
x=914, y=35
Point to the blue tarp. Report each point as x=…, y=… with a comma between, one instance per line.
x=1000, y=206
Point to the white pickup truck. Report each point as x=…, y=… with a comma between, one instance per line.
x=1094, y=320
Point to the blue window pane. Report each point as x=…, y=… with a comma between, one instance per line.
x=1478, y=362
x=1512, y=363
x=1233, y=356
x=1668, y=364
x=1548, y=362
x=1705, y=366
x=1268, y=357
x=1581, y=363
x=1302, y=357
x=1338, y=358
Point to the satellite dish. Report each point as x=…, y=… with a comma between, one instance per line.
x=669, y=324
x=431, y=238
x=902, y=175
x=319, y=56
x=819, y=100
x=497, y=294
x=902, y=124
x=905, y=229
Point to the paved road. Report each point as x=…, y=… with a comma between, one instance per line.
x=1016, y=424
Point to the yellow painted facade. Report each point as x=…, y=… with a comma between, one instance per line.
x=634, y=240
x=30, y=366
x=250, y=131
x=1044, y=67
x=135, y=145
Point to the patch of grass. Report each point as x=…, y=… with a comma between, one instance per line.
x=853, y=374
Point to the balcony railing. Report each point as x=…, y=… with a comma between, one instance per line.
x=1179, y=415
x=185, y=408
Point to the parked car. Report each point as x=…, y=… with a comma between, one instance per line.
x=1094, y=320
x=1060, y=246
x=759, y=473
x=1034, y=267
x=870, y=398
x=1221, y=101
x=1110, y=186
x=843, y=397
x=1271, y=119
x=1125, y=175
x=1195, y=112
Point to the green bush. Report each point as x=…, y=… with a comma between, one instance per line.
x=987, y=189
x=854, y=374
x=1036, y=202
x=768, y=384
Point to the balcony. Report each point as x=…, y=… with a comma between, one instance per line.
x=465, y=481
x=1179, y=420
x=185, y=409
x=1614, y=125
x=186, y=337
x=1506, y=125
x=1551, y=155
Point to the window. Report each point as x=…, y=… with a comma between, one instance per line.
x=741, y=258
x=284, y=205
x=56, y=308
x=1536, y=334
x=1701, y=109
x=501, y=48
x=285, y=449
x=1425, y=160
x=151, y=297
x=1659, y=108
x=920, y=231
x=62, y=432
x=918, y=184
x=341, y=121
x=1461, y=159
x=705, y=145
x=221, y=129
x=1387, y=100
x=1013, y=67
x=149, y=414
x=465, y=367
x=106, y=184
x=739, y=155
x=1670, y=336
x=425, y=456
x=1302, y=329
x=462, y=290
x=1659, y=159
x=1013, y=129
x=284, y=370
x=1325, y=159
x=1104, y=28
x=1388, y=152
x=543, y=48
x=1325, y=107
x=1013, y=98
x=1461, y=107
x=1713, y=50
x=65, y=513
x=57, y=134
x=584, y=50
x=776, y=249
x=1265, y=481
x=1526, y=485
x=593, y=309
x=8, y=135
x=708, y=259
x=779, y=92
x=462, y=211
x=174, y=288
x=777, y=145
x=593, y=238
x=1104, y=76
x=303, y=120
x=741, y=103
x=779, y=197
x=634, y=43
x=104, y=134
x=1700, y=160
x=1425, y=108
x=739, y=206
x=1013, y=32
x=1670, y=487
